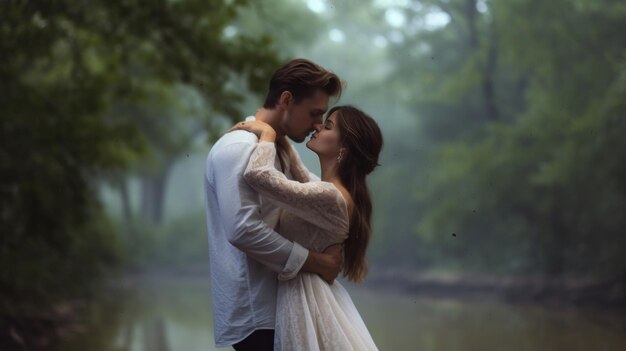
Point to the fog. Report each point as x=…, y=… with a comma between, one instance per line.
x=502, y=176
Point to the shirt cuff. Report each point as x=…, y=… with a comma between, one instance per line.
x=296, y=260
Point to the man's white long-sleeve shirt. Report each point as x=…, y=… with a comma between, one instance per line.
x=246, y=255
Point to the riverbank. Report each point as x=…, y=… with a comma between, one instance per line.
x=45, y=329
x=527, y=289
x=41, y=330
x=565, y=291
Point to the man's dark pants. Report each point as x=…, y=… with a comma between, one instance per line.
x=259, y=340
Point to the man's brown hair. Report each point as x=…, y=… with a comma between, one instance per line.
x=301, y=78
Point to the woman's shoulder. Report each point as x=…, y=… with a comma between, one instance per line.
x=345, y=198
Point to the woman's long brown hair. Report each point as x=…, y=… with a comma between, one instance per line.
x=362, y=138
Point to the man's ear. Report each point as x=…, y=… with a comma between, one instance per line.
x=285, y=99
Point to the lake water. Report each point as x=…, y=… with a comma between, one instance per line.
x=176, y=314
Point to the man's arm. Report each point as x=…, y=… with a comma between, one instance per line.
x=328, y=264
x=239, y=209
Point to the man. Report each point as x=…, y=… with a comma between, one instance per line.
x=246, y=255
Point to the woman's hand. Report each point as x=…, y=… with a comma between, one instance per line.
x=262, y=130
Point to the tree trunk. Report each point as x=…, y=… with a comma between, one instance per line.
x=127, y=211
x=160, y=187
x=471, y=13
x=147, y=196
x=491, y=108
x=488, y=68
x=153, y=189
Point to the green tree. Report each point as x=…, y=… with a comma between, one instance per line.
x=69, y=71
x=545, y=191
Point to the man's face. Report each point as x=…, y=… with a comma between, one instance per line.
x=303, y=117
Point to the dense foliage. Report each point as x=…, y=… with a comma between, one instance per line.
x=524, y=110
x=76, y=80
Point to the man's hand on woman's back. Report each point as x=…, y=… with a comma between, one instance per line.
x=327, y=264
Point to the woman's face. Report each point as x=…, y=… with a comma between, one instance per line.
x=326, y=139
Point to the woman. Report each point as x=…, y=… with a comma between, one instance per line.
x=311, y=314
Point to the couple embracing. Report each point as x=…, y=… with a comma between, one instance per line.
x=278, y=234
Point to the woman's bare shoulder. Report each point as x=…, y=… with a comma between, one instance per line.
x=347, y=198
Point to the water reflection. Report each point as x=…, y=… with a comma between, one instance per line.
x=175, y=314
x=404, y=322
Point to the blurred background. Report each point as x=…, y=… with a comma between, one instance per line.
x=499, y=208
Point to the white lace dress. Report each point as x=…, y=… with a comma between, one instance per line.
x=310, y=313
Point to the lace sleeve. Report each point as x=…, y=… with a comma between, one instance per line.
x=298, y=170
x=320, y=203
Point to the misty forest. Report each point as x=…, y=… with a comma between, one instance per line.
x=499, y=206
